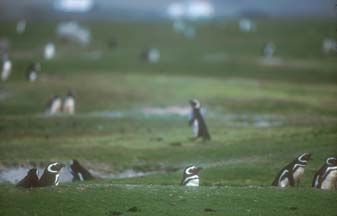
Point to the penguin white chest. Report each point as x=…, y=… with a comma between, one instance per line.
x=6, y=70
x=298, y=173
x=55, y=106
x=193, y=183
x=195, y=127
x=330, y=181
x=69, y=105
x=32, y=76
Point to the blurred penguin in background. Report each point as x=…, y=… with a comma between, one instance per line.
x=32, y=71
x=21, y=26
x=49, y=51
x=53, y=106
x=197, y=121
x=69, y=103
x=6, y=67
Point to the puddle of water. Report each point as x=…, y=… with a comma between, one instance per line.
x=172, y=110
x=15, y=174
x=238, y=120
x=245, y=120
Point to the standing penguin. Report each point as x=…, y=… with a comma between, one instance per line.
x=6, y=67
x=190, y=176
x=51, y=175
x=79, y=172
x=69, y=103
x=53, y=106
x=290, y=175
x=49, y=51
x=30, y=180
x=326, y=176
x=197, y=121
x=32, y=71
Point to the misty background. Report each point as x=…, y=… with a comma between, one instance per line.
x=158, y=9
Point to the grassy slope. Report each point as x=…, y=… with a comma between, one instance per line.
x=302, y=91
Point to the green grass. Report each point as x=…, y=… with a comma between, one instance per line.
x=240, y=161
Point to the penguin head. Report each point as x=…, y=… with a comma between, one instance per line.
x=195, y=104
x=70, y=93
x=55, y=97
x=75, y=164
x=331, y=161
x=191, y=171
x=304, y=158
x=55, y=167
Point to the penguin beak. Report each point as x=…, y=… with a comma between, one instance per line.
x=199, y=168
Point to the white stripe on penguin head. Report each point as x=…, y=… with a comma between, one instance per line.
x=188, y=170
x=328, y=159
x=300, y=158
x=50, y=166
x=197, y=103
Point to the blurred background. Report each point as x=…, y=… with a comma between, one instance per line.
x=108, y=82
x=263, y=70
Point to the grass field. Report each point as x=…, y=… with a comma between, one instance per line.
x=260, y=116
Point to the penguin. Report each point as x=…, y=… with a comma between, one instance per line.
x=51, y=175
x=326, y=176
x=269, y=49
x=291, y=174
x=197, y=121
x=6, y=67
x=21, y=26
x=49, y=51
x=30, y=180
x=32, y=71
x=79, y=172
x=190, y=176
x=53, y=106
x=69, y=103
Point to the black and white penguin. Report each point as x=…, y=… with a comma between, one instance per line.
x=6, y=67
x=51, y=175
x=291, y=174
x=53, y=106
x=69, y=103
x=197, y=121
x=30, y=180
x=190, y=176
x=32, y=71
x=49, y=51
x=326, y=176
x=79, y=172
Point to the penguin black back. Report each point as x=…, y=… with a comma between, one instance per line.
x=30, y=180
x=79, y=172
x=51, y=175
